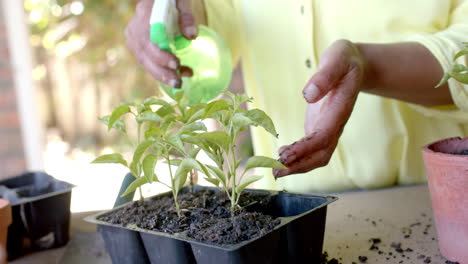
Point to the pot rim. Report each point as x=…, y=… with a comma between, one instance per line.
x=428, y=149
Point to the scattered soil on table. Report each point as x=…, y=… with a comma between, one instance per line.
x=396, y=252
x=324, y=259
x=205, y=215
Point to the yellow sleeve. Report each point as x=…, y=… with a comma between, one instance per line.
x=444, y=45
x=222, y=17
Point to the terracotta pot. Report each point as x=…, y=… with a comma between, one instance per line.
x=447, y=174
x=5, y=221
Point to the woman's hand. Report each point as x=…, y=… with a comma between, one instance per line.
x=331, y=94
x=161, y=64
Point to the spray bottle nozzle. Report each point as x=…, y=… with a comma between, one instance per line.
x=164, y=28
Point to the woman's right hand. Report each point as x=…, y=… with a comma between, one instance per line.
x=161, y=64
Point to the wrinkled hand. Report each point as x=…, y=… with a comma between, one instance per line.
x=331, y=94
x=161, y=64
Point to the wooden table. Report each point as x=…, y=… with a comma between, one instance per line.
x=401, y=216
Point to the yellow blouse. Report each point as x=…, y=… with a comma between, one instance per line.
x=279, y=43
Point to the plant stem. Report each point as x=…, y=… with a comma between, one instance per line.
x=174, y=192
x=234, y=199
x=141, y=194
x=191, y=181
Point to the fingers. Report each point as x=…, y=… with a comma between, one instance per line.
x=187, y=22
x=186, y=71
x=317, y=159
x=316, y=149
x=333, y=65
x=155, y=61
x=304, y=147
x=164, y=75
x=282, y=148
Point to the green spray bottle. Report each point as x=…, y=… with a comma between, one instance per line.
x=207, y=55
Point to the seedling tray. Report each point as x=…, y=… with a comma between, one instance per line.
x=298, y=238
x=40, y=211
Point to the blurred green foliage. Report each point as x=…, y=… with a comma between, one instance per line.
x=93, y=32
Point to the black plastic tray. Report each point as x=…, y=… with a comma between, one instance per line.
x=40, y=210
x=298, y=238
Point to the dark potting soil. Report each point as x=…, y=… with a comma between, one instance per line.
x=463, y=152
x=205, y=215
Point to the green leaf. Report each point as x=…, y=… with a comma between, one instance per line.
x=179, y=96
x=141, y=148
x=134, y=185
x=148, y=115
x=154, y=132
x=193, y=108
x=149, y=163
x=203, y=169
x=459, y=68
x=241, y=98
x=175, y=142
x=461, y=53
x=167, y=122
x=174, y=162
x=165, y=110
x=240, y=121
x=218, y=173
x=263, y=162
x=214, y=181
x=198, y=114
x=142, y=107
x=260, y=118
x=117, y=114
x=119, y=124
x=182, y=171
x=218, y=138
x=155, y=101
x=444, y=79
x=215, y=158
x=185, y=167
x=111, y=158
x=191, y=139
x=461, y=77
x=237, y=164
x=195, y=126
x=193, y=152
x=215, y=106
x=247, y=182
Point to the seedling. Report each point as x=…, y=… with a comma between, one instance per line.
x=177, y=128
x=160, y=128
x=220, y=145
x=458, y=72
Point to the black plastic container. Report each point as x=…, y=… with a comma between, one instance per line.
x=297, y=239
x=40, y=210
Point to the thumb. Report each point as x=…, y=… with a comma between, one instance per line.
x=187, y=23
x=331, y=69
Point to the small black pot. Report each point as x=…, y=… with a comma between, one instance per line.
x=40, y=210
x=298, y=238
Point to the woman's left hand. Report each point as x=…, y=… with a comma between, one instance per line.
x=331, y=94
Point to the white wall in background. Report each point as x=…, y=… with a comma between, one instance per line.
x=21, y=59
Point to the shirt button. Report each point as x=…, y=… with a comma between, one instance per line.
x=308, y=64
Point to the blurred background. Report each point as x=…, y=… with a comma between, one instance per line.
x=63, y=64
